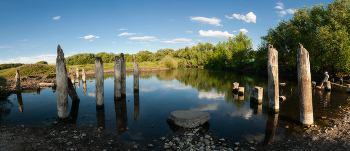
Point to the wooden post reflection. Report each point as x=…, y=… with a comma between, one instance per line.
x=78, y=84
x=84, y=88
x=20, y=102
x=101, y=122
x=270, y=130
x=53, y=89
x=74, y=112
x=257, y=107
x=121, y=114
x=136, y=105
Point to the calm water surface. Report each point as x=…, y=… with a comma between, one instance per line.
x=231, y=116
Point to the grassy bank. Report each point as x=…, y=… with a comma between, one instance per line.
x=28, y=69
x=110, y=66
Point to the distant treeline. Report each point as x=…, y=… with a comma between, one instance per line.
x=10, y=65
x=232, y=53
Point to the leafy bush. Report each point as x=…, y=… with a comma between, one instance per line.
x=42, y=62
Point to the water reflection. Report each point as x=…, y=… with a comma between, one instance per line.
x=78, y=83
x=136, y=105
x=53, y=89
x=257, y=107
x=121, y=114
x=100, y=114
x=20, y=102
x=271, y=125
x=324, y=98
x=84, y=88
x=74, y=112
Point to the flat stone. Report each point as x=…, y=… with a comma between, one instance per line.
x=188, y=119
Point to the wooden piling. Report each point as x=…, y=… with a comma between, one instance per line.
x=117, y=77
x=18, y=81
x=348, y=88
x=273, y=87
x=235, y=87
x=83, y=76
x=77, y=73
x=62, y=84
x=304, y=86
x=123, y=73
x=313, y=84
x=136, y=74
x=258, y=94
x=327, y=85
x=99, y=82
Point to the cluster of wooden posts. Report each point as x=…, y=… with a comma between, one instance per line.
x=304, y=85
x=65, y=85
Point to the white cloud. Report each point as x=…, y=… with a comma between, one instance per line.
x=24, y=40
x=279, y=5
x=126, y=34
x=56, y=18
x=210, y=95
x=50, y=58
x=91, y=37
x=176, y=86
x=122, y=29
x=179, y=40
x=209, y=107
x=189, y=31
x=145, y=38
x=228, y=17
x=290, y=11
x=235, y=31
x=199, y=40
x=250, y=17
x=216, y=34
x=243, y=30
x=113, y=42
x=283, y=11
x=204, y=20
x=5, y=46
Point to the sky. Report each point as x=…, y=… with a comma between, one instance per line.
x=31, y=30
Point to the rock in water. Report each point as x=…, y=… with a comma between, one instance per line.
x=188, y=119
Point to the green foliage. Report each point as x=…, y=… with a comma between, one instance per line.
x=323, y=31
x=30, y=69
x=42, y=62
x=11, y=65
x=169, y=62
x=3, y=88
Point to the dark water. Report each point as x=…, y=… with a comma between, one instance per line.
x=179, y=89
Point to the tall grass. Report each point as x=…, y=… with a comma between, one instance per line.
x=29, y=69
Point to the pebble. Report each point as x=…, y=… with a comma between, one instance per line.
x=83, y=134
x=150, y=145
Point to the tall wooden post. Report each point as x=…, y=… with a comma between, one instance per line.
x=304, y=86
x=83, y=76
x=62, y=84
x=136, y=74
x=18, y=81
x=117, y=78
x=99, y=82
x=77, y=73
x=273, y=87
x=123, y=70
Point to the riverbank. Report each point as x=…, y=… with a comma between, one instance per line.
x=334, y=136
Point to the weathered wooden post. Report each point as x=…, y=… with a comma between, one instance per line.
x=62, y=84
x=99, y=82
x=136, y=74
x=235, y=87
x=77, y=73
x=83, y=76
x=258, y=94
x=348, y=88
x=123, y=70
x=327, y=85
x=117, y=77
x=313, y=84
x=20, y=102
x=18, y=81
x=71, y=90
x=136, y=105
x=270, y=130
x=304, y=86
x=273, y=87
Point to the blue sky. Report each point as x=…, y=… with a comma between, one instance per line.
x=31, y=30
